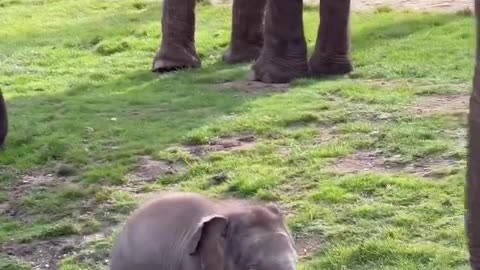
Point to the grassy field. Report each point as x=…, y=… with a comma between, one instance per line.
x=370, y=167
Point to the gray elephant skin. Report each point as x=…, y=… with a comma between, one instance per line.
x=187, y=231
x=269, y=32
x=472, y=216
x=3, y=120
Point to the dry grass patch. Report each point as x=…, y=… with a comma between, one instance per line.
x=430, y=105
x=373, y=162
x=248, y=86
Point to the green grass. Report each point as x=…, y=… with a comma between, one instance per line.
x=83, y=107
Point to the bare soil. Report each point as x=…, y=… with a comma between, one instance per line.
x=47, y=254
x=429, y=105
x=43, y=254
x=28, y=184
x=148, y=169
x=230, y=144
x=423, y=5
x=373, y=162
x=248, y=86
x=307, y=244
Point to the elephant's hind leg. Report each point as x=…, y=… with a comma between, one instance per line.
x=177, y=50
x=284, y=54
x=331, y=55
x=247, y=31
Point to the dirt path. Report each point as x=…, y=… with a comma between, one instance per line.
x=434, y=5
x=437, y=5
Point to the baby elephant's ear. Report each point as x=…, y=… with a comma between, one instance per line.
x=274, y=209
x=208, y=232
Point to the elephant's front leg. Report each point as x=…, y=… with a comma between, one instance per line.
x=473, y=165
x=3, y=120
x=177, y=50
x=284, y=54
x=247, y=31
x=331, y=55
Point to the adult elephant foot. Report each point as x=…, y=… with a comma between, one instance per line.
x=331, y=55
x=330, y=65
x=241, y=53
x=284, y=54
x=175, y=57
x=177, y=50
x=247, y=31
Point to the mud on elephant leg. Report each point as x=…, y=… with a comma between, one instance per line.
x=247, y=31
x=3, y=120
x=331, y=55
x=177, y=50
x=284, y=54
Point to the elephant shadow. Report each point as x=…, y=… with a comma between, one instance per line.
x=165, y=105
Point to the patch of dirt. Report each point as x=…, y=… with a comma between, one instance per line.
x=41, y=255
x=254, y=86
x=148, y=169
x=47, y=254
x=36, y=179
x=363, y=161
x=307, y=244
x=27, y=184
x=326, y=136
x=372, y=162
x=231, y=144
x=89, y=254
x=423, y=5
x=459, y=135
x=430, y=105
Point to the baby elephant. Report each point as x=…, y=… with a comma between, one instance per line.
x=186, y=231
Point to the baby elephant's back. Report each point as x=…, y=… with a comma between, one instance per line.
x=155, y=235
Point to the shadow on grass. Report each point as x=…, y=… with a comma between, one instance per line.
x=140, y=112
x=137, y=113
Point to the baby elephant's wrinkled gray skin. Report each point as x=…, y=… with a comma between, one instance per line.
x=185, y=231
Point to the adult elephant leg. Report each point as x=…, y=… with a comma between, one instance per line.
x=284, y=54
x=473, y=166
x=3, y=120
x=177, y=49
x=331, y=55
x=247, y=31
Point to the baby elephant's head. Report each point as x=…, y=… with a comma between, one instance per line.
x=251, y=238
